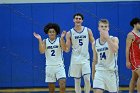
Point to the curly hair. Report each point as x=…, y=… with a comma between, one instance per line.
x=52, y=26
x=134, y=21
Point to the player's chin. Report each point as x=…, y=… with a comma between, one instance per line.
x=78, y=24
x=52, y=36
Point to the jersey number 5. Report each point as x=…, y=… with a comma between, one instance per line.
x=80, y=42
x=102, y=55
x=52, y=52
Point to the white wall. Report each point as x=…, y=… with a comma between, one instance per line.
x=56, y=1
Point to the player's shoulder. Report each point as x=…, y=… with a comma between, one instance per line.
x=114, y=38
x=97, y=41
x=69, y=33
x=44, y=40
x=130, y=35
x=88, y=29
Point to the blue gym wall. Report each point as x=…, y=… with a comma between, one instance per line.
x=21, y=64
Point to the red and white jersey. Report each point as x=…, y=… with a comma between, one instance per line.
x=134, y=52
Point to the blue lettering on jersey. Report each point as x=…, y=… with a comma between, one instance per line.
x=102, y=49
x=52, y=47
x=79, y=37
x=102, y=55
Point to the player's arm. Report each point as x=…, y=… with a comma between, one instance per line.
x=68, y=41
x=129, y=40
x=95, y=58
x=62, y=41
x=65, y=46
x=113, y=44
x=42, y=46
x=91, y=38
x=42, y=43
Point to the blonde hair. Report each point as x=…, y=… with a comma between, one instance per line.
x=105, y=21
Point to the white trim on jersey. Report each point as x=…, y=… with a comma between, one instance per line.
x=107, y=60
x=54, y=53
x=80, y=42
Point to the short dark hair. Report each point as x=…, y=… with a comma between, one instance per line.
x=52, y=26
x=78, y=14
x=134, y=21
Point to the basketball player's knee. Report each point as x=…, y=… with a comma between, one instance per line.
x=138, y=72
x=98, y=91
x=77, y=82
x=87, y=79
x=62, y=86
x=51, y=88
x=62, y=83
x=51, y=91
x=133, y=80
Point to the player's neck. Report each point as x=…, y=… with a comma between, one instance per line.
x=102, y=40
x=78, y=28
x=52, y=39
x=135, y=30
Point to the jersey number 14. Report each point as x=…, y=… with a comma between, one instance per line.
x=102, y=55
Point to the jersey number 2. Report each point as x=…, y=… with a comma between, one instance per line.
x=102, y=55
x=52, y=52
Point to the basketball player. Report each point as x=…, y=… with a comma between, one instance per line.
x=133, y=82
x=104, y=66
x=78, y=37
x=133, y=54
x=53, y=49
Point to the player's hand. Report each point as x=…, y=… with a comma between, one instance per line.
x=128, y=65
x=92, y=76
x=104, y=34
x=37, y=36
x=63, y=34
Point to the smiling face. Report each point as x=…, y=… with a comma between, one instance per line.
x=52, y=29
x=78, y=20
x=52, y=33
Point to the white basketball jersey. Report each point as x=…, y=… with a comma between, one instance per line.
x=107, y=60
x=80, y=42
x=53, y=53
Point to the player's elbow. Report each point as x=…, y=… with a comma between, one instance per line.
x=42, y=51
x=67, y=49
x=115, y=50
